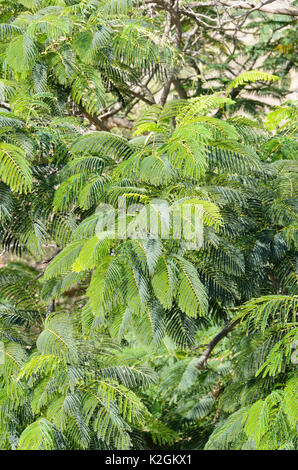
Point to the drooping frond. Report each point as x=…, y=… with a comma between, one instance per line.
x=251, y=76
x=22, y=52
x=14, y=167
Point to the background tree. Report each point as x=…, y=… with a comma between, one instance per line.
x=139, y=342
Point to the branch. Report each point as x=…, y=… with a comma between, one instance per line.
x=170, y=8
x=118, y=121
x=99, y=124
x=202, y=362
x=277, y=9
x=172, y=18
x=51, y=308
x=107, y=121
x=5, y=106
x=166, y=89
x=179, y=88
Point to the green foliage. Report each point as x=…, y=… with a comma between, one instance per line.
x=15, y=170
x=251, y=76
x=103, y=330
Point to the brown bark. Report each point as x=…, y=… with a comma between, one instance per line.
x=202, y=362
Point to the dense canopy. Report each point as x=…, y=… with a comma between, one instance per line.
x=118, y=332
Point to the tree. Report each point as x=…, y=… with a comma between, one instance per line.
x=110, y=57
x=115, y=341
